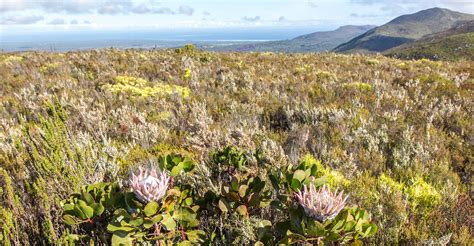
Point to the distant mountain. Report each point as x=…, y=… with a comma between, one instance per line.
x=317, y=41
x=404, y=29
x=452, y=44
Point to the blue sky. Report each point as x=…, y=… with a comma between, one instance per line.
x=57, y=15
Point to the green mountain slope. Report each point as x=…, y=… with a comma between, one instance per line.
x=317, y=41
x=453, y=44
x=404, y=29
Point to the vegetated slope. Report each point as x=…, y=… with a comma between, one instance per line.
x=313, y=42
x=396, y=136
x=404, y=29
x=453, y=44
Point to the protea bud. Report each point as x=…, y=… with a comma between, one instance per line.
x=148, y=185
x=320, y=204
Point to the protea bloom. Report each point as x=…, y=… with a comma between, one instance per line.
x=148, y=185
x=320, y=204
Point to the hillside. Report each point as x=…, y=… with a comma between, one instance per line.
x=313, y=42
x=453, y=44
x=237, y=139
x=404, y=29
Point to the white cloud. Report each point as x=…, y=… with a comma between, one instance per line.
x=312, y=4
x=246, y=18
x=113, y=7
x=57, y=21
x=104, y=7
x=163, y=11
x=185, y=10
x=55, y=6
x=11, y=5
x=141, y=9
x=20, y=20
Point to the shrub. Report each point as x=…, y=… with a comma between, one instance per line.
x=100, y=114
x=422, y=195
x=138, y=87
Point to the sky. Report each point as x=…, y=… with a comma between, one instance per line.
x=17, y=16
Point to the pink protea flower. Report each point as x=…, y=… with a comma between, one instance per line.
x=320, y=204
x=149, y=185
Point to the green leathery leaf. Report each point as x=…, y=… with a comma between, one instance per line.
x=88, y=198
x=243, y=190
x=136, y=222
x=98, y=209
x=151, y=208
x=184, y=214
x=86, y=210
x=295, y=184
x=176, y=170
x=188, y=201
x=69, y=219
x=115, y=226
x=196, y=236
x=223, y=205
x=68, y=207
x=121, y=238
x=299, y=175
x=188, y=165
x=169, y=222
x=242, y=210
x=349, y=225
x=149, y=222
x=315, y=228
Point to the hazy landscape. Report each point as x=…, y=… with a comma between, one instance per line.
x=347, y=134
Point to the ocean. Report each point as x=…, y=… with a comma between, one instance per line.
x=68, y=40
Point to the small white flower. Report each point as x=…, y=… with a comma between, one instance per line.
x=320, y=204
x=149, y=185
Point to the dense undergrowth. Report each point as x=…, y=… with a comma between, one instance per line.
x=396, y=136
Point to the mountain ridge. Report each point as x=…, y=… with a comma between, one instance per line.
x=404, y=29
x=452, y=44
x=312, y=42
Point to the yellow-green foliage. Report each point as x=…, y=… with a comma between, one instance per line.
x=435, y=78
x=186, y=49
x=7, y=226
x=335, y=178
x=142, y=88
x=332, y=178
x=187, y=74
x=302, y=69
x=131, y=81
x=325, y=75
x=386, y=182
x=373, y=62
x=402, y=65
x=426, y=62
x=48, y=67
x=160, y=116
x=422, y=194
x=360, y=86
x=9, y=204
x=13, y=60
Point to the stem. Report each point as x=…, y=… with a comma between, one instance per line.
x=183, y=236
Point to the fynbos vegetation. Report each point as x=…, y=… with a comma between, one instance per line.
x=191, y=147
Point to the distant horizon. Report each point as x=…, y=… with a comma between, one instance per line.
x=162, y=38
x=34, y=34
x=20, y=16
